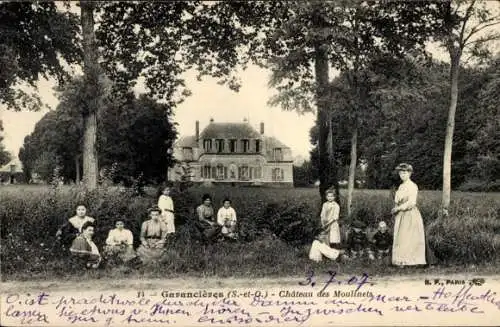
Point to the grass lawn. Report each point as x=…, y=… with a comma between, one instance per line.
x=31, y=213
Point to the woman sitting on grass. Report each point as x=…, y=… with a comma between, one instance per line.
x=206, y=222
x=73, y=227
x=119, y=243
x=226, y=218
x=84, y=248
x=153, y=235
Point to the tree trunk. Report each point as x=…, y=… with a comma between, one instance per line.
x=450, y=127
x=91, y=71
x=352, y=169
x=77, y=169
x=327, y=167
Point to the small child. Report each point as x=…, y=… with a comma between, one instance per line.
x=358, y=242
x=330, y=218
x=320, y=248
x=226, y=217
x=382, y=240
x=166, y=205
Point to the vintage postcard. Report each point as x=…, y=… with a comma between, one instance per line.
x=249, y=163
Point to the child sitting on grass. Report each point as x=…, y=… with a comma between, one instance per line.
x=358, y=241
x=321, y=248
x=382, y=240
x=226, y=217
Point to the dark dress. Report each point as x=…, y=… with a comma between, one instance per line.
x=382, y=241
x=357, y=241
x=206, y=213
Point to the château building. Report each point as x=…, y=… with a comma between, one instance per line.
x=233, y=153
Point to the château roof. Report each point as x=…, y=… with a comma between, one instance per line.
x=230, y=131
x=186, y=142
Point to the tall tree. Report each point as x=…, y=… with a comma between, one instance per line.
x=35, y=41
x=93, y=94
x=469, y=26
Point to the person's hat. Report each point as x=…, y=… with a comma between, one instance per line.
x=404, y=167
x=154, y=208
x=382, y=224
x=358, y=224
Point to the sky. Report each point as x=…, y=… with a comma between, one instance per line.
x=208, y=100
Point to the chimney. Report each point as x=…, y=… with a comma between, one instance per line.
x=262, y=128
x=197, y=130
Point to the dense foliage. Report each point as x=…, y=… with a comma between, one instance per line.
x=4, y=155
x=134, y=135
x=36, y=40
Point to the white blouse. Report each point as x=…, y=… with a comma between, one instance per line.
x=117, y=236
x=224, y=215
x=166, y=204
x=406, y=196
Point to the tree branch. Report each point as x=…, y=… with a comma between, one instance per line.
x=485, y=39
x=476, y=29
x=468, y=14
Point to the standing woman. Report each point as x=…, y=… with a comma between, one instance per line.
x=409, y=237
x=166, y=204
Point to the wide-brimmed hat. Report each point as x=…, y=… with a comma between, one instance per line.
x=404, y=167
x=358, y=224
x=154, y=208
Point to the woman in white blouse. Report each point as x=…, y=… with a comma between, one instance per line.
x=409, y=237
x=120, y=243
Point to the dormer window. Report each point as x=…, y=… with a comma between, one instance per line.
x=277, y=154
x=232, y=146
x=257, y=146
x=207, y=145
x=245, y=145
x=219, y=144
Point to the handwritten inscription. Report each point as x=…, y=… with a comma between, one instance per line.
x=269, y=307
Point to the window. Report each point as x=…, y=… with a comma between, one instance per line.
x=257, y=146
x=220, y=171
x=245, y=145
x=243, y=173
x=12, y=168
x=187, y=153
x=277, y=154
x=206, y=172
x=277, y=174
x=219, y=143
x=232, y=171
x=258, y=172
x=232, y=146
x=207, y=145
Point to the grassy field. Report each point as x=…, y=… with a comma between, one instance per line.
x=467, y=241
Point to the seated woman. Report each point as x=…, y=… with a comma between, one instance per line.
x=226, y=218
x=120, y=243
x=206, y=221
x=320, y=247
x=84, y=248
x=73, y=227
x=153, y=235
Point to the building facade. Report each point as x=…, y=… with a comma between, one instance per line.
x=233, y=153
